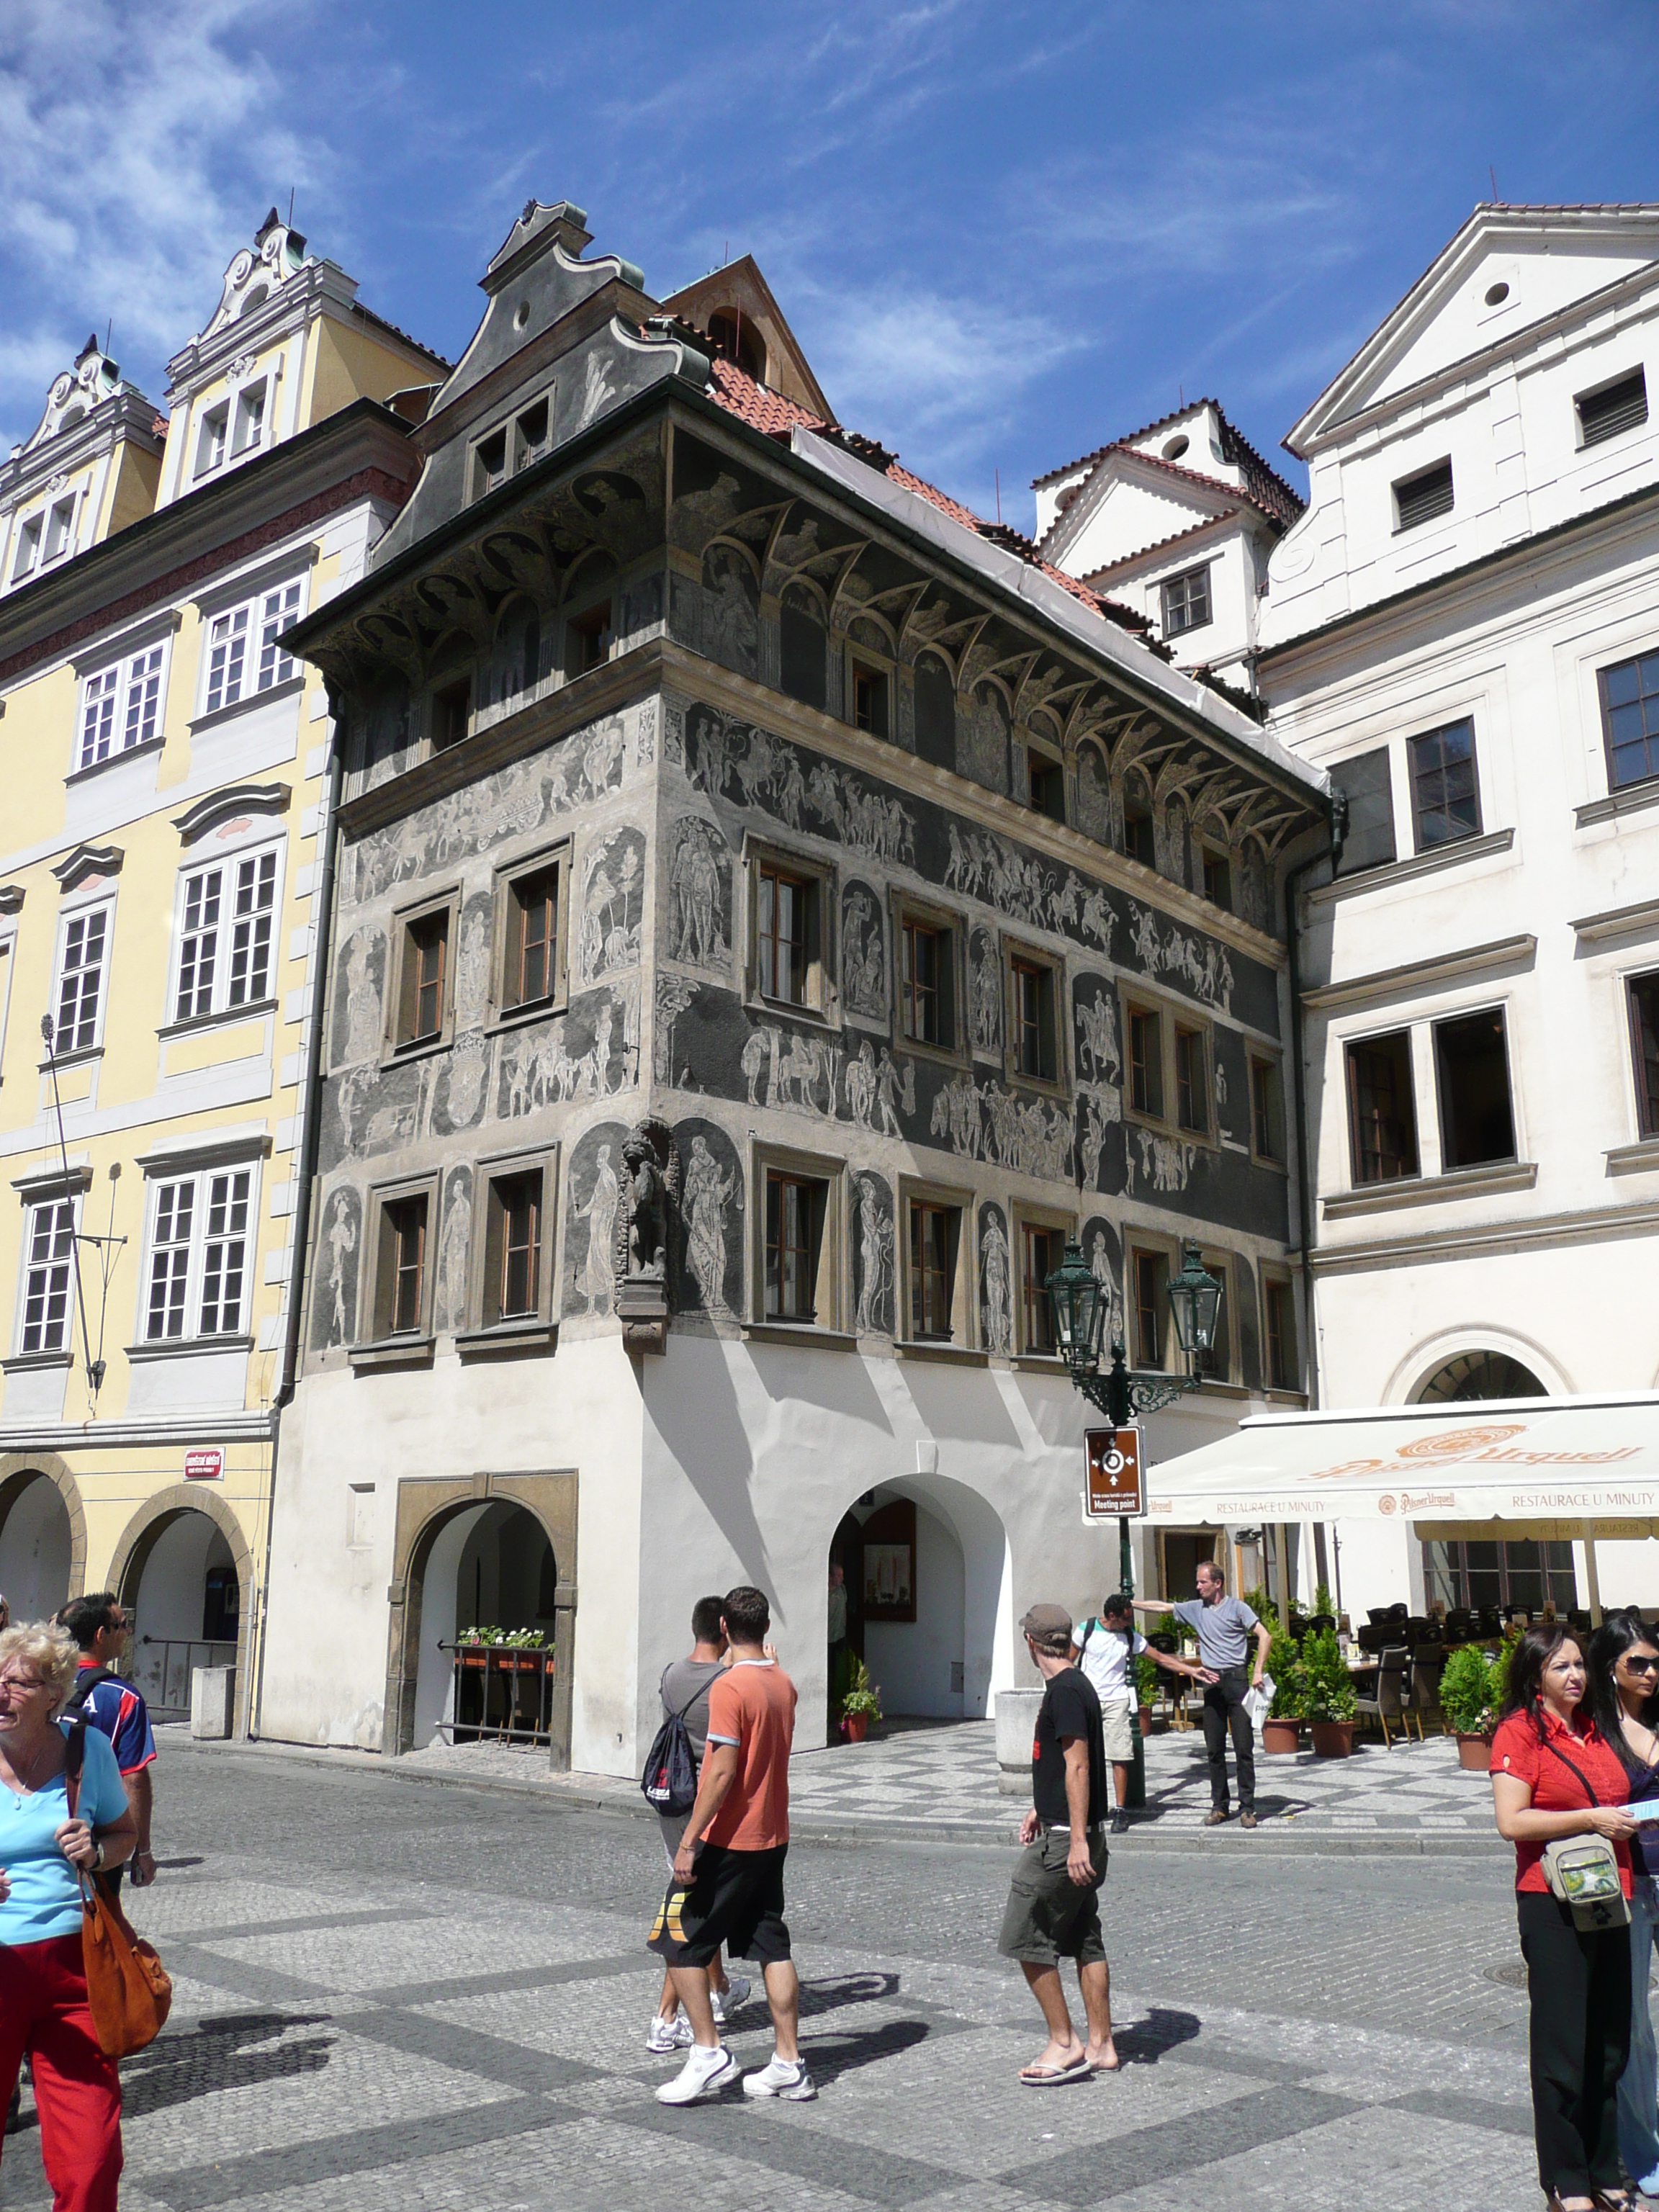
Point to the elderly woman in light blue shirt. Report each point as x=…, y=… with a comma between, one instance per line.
x=55, y=1826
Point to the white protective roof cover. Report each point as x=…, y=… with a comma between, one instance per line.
x=1542, y=1460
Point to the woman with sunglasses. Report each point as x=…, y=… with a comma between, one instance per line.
x=1552, y=1776
x=1624, y=1658
x=48, y=1838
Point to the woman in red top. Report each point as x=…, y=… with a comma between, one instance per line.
x=1552, y=1776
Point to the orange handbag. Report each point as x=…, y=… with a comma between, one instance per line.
x=129, y=1991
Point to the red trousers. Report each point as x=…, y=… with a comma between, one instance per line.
x=77, y=2092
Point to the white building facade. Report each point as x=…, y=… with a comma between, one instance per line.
x=1463, y=631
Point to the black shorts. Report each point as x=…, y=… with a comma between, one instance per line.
x=1048, y=1915
x=734, y=1898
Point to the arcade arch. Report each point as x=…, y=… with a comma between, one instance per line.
x=183, y=1570
x=43, y=1540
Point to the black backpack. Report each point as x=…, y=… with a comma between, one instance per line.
x=669, y=1784
x=85, y=1683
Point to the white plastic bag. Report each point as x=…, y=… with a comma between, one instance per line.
x=1258, y=1703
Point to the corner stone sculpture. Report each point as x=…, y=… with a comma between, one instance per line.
x=645, y=1224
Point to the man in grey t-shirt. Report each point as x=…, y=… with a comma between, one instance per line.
x=684, y=1690
x=1224, y=1626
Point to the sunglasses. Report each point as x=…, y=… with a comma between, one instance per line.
x=1641, y=1666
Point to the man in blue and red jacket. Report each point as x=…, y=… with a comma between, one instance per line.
x=103, y=1629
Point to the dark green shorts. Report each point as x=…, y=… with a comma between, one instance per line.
x=1050, y=1917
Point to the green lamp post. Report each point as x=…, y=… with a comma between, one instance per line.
x=1082, y=1305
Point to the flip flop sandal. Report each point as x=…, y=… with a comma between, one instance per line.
x=1050, y=2077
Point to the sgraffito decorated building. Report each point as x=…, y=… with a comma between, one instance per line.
x=739, y=990
x=166, y=763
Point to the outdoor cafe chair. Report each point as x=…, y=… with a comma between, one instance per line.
x=1389, y=1702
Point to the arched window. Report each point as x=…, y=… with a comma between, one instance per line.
x=936, y=712
x=739, y=341
x=1474, y=1375
x=802, y=647
x=253, y=299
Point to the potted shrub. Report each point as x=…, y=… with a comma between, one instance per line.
x=1146, y=1668
x=1471, y=1690
x=1327, y=1696
x=1281, y=1732
x=860, y=1705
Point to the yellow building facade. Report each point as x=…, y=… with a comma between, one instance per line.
x=168, y=777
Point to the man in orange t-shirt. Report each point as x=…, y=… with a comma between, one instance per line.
x=730, y=1892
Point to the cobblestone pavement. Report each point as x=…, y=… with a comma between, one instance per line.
x=942, y=1781
x=391, y=1995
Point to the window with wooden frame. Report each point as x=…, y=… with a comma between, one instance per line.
x=226, y=915
x=1139, y=837
x=1630, y=719
x=1366, y=784
x=1145, y=1033
x=1218, y=879
x=1217, y=1364
x=423, y=985
x=515, y=1283
x=1192, y=1079
x=1279, y=1334
x=121, y=705
x=1382, y=1109
x=1471, y=1071
x=588, y=638
x=401, y=1301
x=1148, y=1275
x=1033, y=984
x=451, y=713
x=1187, y=601
x=1267, y=1110
x=867, y=695
x=1445, y=796
x=530, y=935
x=931, y=943
x=43, y=1309
x=1046, y=777
x=938, y=1289
x=796, y=1259
x=1042, y=1247
x=80, y=994
x=791, y=902
x=1642, y=997
x=201, y=1233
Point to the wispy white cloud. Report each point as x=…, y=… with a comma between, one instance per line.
x=140, y=142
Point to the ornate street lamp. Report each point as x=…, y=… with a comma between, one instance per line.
x=1082, y=1304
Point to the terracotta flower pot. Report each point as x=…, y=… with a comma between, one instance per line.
x=1145, y=1720
x=1331, y=1739
x=1474, y=1751
x=857, y=1726
x=1281, y=1737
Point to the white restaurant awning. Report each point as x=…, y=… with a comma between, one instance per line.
x=1554, y=1463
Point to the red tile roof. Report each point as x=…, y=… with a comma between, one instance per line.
x=769, y=411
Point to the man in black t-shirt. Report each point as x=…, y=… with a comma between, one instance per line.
x=1054, y=1902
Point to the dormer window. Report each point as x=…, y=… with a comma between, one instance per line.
x=1422, y=497
x=211, y=438
x=28, y=547
x=1620, y=405
x=60, y=525
x=249, y=418
x=530, y=436
x=1187, y=601
x=489, y=463
x=739, y=341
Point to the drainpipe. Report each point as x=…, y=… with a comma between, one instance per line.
x=1305, y=1195
x=311, y=1124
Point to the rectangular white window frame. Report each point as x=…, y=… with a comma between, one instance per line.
x=121, y=705
x=249, y=418
x=211, y=438
x=80, y=988
x=244, y=652
x=224, y=932
x=46, y=1305
x=198, y=1255
x=60, y=529
x=28, y=547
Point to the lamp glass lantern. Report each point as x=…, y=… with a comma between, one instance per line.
x=1081, y=1302
x=1195, y=1303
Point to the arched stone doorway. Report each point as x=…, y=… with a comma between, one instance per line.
x=499, y=1544
x=183, y=1570
x=930, y=1605
x=1476, y=1375
x=43, y=1535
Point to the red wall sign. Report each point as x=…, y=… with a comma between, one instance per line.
x=205, y=1464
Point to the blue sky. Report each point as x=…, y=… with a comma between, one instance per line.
x=1004, y=233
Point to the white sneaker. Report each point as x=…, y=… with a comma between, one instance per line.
x=703, y=2071
x=780, y=2080
x=666, y=2035
x=725, y=2001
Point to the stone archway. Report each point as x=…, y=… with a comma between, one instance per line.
x=145, y=1531
x=426, y=1506
x=18, y=1471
